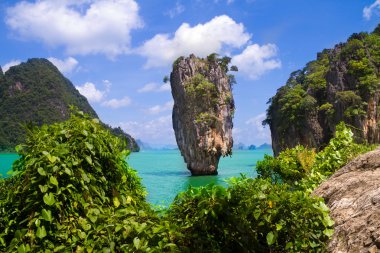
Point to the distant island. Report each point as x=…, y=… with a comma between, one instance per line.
x=242, y=146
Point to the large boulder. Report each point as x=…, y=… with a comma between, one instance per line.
x=353, y=196
x=202, y=113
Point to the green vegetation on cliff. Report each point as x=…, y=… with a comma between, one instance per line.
x=304, y=169
x=342, y=84
x=36, y=93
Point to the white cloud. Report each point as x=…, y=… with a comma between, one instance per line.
x=95, y=95
x=256, y=60
x=176, y=10
x=228, y=1
x=90, y=92
x=161, y=108
x=165, y=87
x=257, y=127
x=368, y=10
x=65, y=66
x=157, y=131
x=12, y=63
x=202, y=40
x=107, y=84
x=154, y=87
x=117, y=103
x=81, y=27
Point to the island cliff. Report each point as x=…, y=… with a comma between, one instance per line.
x=36, y=93
x=342, y=84
x=203, y=111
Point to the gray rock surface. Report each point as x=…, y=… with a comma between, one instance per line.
x=202, y=113
x=353, y=196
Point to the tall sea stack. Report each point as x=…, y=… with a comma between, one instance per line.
x=203, y=111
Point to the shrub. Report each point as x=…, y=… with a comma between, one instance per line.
x=341, y=150
x=291, y=165
x=72, y=190
x=252, y=215
x=305, y=169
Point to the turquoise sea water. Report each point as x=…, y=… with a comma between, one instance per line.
x=164, y=173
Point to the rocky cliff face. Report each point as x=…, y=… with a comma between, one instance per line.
x=353, y=196
x=202, y=113
x=343, y=84
x=35, y=92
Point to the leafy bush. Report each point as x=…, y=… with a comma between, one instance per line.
x=304, y=168
x=341, y=150
x=291, y=165
x=72, y=190
x=252, y=215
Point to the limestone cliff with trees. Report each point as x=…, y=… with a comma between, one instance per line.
x=342, y=84
x=203, y=111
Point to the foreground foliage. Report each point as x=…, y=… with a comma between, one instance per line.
x=72, y=191
x=274, y=213
x=304, y=169
x=252, y=215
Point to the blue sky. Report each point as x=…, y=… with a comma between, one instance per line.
x=116, y=52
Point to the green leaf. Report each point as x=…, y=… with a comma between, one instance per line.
x=85, y=177
x=278, y=227
x=136, y=243
x=89, y=160
x=289, y=245
x=89, y=146
x=41, y=232
x=43, y=188
x=59, y=248
x=54, y=180
x=51, y=158
x=270, y=238
x=68, y=171
x=37, y=222
x=328, y=221
x=93, y=218
x=46, y=215
x=41, y=171
x=328, y=232
x=23, y=248
x=49, y=199
x=116, y=201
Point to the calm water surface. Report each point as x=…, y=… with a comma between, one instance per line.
x=164, y=174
